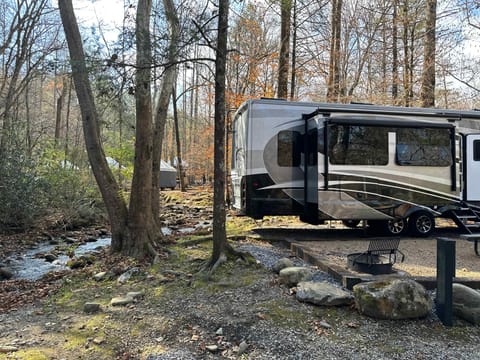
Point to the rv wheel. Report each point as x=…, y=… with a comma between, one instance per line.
x=421, y=223
x=394, y=227
x=351, y=223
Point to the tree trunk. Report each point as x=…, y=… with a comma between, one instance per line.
x=168, y=80
x=406, y=52
x=181, y=176
x=427, y=94
x=395, y=77
x=142, y=227
x=116, y=207
x=294, y=53
x=58, y=114
x=219, y=214
x=333, y=90
x=286, y=9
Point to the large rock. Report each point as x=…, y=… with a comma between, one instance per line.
x=291, y=276
x=282, y=264
x=5, y=274
x=392, y=299
x=323, y=293
x=466, y=303
x=91, y=307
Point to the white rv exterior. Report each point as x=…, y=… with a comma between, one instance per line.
x=396, y=168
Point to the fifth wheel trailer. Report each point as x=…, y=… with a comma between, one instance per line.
x=395, y=168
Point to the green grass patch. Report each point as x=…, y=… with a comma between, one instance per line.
x=283, y=315
x=31, y=354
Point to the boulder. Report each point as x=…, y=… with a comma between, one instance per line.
x=100, y=276
x=392, y=299
x=466, y=303
x=50, y=257
x=121, y=301
x=323, y=293
x=5, y=274
x=91, y=307
x=291, y=276
x=282, y=264
x=122, y=279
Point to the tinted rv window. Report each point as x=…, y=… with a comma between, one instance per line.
x=289, y=150
x=476, y=150
x=423, y=147
x=358, y=145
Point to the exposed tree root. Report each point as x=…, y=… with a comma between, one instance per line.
x=229, y=253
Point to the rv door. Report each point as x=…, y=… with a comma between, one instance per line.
x=311, y=169
x=472, y=167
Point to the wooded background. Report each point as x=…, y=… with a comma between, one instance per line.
x=395, y=52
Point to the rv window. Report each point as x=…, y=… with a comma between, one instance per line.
x=289, y=149
x=358, y=145
x=423, y=147
x=476, y=150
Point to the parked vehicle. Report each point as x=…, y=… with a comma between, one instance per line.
x=168, y=176
x=395, y=168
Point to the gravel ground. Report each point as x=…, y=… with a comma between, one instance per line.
x=310, y=332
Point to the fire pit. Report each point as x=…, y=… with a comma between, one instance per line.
x=369, y=263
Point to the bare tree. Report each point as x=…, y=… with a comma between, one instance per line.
x=219, y=214
x=283, y=60
x=427, y=95
x=395, y=76
x=116, y=207
x=133, y=230
x=168, y=80
x=221, y=248
x=27, y=40
x=142, y=227
x=335, y=52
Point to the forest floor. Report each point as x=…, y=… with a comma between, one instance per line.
x=175, y=311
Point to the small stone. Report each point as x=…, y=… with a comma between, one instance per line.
x=91, y=307
x=7, y=349
x=212, y=348
x=219, y=332
x=100, y=276
x=121, y=301
x=242, y=348
x=122, y=279
x=325, y=325
x=135, y=294
x=98, y=341
x=70, y=240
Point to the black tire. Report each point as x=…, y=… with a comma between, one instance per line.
x=351, y=223
x=394, y=227
x=421, y=223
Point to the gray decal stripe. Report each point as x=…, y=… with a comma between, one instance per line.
x=335, y=178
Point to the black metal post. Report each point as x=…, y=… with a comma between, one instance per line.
x=445, y=275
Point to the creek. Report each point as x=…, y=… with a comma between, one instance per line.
x=32, y=264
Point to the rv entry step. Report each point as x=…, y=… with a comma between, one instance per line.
x=475, y=238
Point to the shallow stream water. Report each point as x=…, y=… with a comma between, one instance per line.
x=32, y=265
